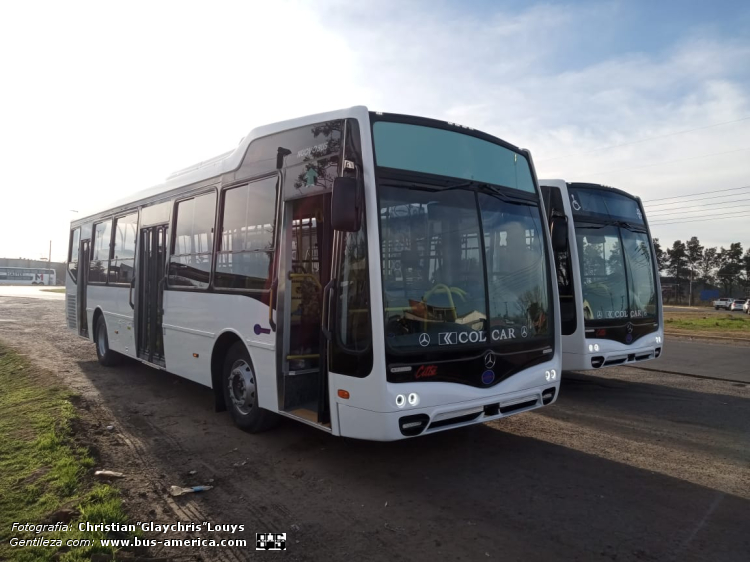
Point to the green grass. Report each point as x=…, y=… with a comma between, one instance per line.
x=735, y=323
x=42, y=470
x=54, y=290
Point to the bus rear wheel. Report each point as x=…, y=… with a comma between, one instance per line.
x=106, y=356
x=241, y=392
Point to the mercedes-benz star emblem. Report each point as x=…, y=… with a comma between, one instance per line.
x=489, y=361
x=424, y=340
x=629, y=328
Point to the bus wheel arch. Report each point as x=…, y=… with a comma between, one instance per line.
x=94, y=319
x=236, y=373
x=218, y=355
x=104, y=353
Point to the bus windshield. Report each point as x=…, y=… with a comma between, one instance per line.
x=462, y=267
x=615, y=256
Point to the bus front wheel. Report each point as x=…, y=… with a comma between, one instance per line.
x=106, y=356
x=241, y=392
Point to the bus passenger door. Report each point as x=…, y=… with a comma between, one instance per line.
x=307, y=241
x=84, y=259
x=149, y=294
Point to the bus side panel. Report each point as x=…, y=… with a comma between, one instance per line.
x=113, y=301
x=193, y=321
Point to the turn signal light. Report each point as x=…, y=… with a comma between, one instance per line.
x=344, y=394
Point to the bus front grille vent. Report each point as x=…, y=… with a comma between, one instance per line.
x=456, y=420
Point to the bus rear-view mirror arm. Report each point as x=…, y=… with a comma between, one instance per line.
x=558, y=229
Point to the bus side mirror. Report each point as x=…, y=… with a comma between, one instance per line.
x=346, y=204
x=558, y=229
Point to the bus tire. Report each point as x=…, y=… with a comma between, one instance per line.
x=241, y=392
x=106, y=356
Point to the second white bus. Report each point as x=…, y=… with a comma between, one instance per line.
x=608, y=280
x=27, y=276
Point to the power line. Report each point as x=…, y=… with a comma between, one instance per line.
x=706, y=218
x=699, y=199
x=643, y=140
x=664, y=163
x=699, y=193
x=679, y=210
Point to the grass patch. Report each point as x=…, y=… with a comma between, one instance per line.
x=54, y=290
x=43, y=471
x=732, y=323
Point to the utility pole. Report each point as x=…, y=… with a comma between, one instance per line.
x=690, y=297
x=49, y=256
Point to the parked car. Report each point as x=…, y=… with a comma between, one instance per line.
x=736, y=304
x=746, y=306
x=723, y=303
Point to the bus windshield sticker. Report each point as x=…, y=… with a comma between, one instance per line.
x=475, y=336
x=310, y=176
x=575, y=204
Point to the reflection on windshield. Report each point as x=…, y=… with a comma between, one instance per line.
x=641, y=271
x=610, y=290
x=434, y=271
x=516, y=267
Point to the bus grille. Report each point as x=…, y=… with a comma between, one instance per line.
x=70, y=311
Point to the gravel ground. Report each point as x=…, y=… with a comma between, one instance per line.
x=627, y=465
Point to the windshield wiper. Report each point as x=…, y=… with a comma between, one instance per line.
x=489, y=189
x=622, y=224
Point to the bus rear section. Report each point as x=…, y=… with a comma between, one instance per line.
x=373, y=276
x=608, y=280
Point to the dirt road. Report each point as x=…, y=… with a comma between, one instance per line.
x=628, y=465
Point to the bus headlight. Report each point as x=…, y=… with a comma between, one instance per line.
x=413, y=399
x=400, y=400
x=596, y=347
x=591, y=347
x=553, y=374
x=658, y=339
x=547, y=375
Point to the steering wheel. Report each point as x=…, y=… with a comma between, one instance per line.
x=442, y=288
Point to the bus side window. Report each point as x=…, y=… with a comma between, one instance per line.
x=74, y=248
x=121, y=269
x=351, y=352
x=247, y=236
x=193, y=242
x=99, y=267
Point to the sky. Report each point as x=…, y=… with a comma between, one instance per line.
x=102, y=99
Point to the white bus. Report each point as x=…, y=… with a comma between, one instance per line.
x=26, y=276
x=375, y=276
x=608, y=280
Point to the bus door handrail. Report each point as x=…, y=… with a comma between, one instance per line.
x=324, y=320
x=130, y=293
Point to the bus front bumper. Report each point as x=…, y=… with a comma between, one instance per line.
x=410, y=422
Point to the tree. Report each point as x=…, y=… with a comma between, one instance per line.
x=678, y=263
x=694, y=252
x=731, y=265
x=708, y=263
x=661, y=257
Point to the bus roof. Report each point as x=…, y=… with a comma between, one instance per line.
x=218, y=165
